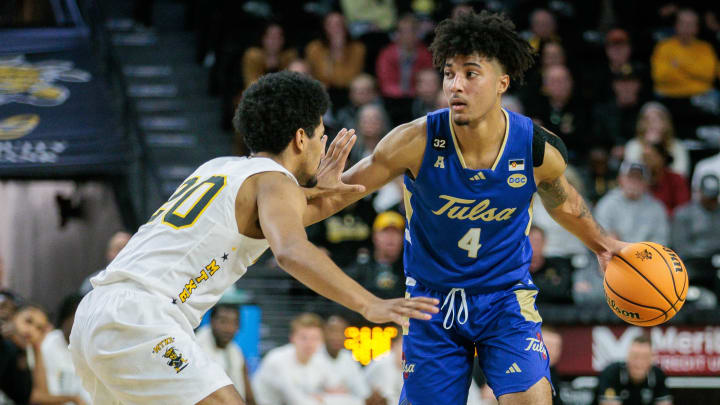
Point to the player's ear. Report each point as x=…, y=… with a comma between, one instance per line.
x=299, y=139
x=503, y=83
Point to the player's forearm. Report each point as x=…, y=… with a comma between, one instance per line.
x=323, y=207
x=309, y=265
x=568, y=209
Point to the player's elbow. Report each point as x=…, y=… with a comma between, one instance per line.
x=290, y=255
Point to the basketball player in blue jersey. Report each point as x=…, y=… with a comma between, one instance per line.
x=470, y=175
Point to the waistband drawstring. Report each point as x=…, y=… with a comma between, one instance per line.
x=450, y=314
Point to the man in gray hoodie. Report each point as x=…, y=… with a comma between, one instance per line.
x=630, y=212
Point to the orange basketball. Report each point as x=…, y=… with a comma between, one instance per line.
x=646, y=284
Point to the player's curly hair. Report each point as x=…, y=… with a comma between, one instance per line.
x=490, y=35
x=276, y=106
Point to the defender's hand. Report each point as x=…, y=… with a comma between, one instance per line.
x=398, y=310
x=604, y=257
x=332, y=165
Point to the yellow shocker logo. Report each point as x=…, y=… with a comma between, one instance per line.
x=367, y=344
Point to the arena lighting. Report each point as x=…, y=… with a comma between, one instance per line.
x=368, y=344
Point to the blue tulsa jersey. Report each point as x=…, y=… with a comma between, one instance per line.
x=468, y=228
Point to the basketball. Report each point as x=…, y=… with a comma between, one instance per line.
x=646, y=284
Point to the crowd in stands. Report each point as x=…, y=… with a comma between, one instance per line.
x=637, y=106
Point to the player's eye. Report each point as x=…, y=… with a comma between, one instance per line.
x=447, y=74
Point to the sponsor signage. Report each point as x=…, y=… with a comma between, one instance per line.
x=56, y=117
x=679, y=350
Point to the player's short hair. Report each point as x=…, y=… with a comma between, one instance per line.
x=276, y=106
x=229, y=307
x=306, y=320
x=488, y=34
x=643, y=339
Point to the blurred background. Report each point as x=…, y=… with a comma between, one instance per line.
x=106, y=106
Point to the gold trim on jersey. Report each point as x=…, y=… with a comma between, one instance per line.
x=406, y=199
x=530, y=212
x=457, y=144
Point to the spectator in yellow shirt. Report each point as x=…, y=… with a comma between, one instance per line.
x=685, y=67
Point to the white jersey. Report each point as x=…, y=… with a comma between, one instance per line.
x=190, y=250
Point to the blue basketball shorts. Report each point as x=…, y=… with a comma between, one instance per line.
x=504, y=328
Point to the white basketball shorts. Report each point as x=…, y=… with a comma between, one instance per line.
x=133, y=347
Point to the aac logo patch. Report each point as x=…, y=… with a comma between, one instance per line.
x=517, y=180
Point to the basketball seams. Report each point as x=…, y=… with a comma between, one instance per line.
x=648, y=281
x=633, y=302
x=670, y=269
x=662, y=313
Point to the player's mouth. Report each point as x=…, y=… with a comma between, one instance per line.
x=457, y=105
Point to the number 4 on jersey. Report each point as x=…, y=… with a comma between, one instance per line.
x=471, y=242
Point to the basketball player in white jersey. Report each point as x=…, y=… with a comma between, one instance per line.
x=132, y=341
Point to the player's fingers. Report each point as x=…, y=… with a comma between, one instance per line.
x=334, y=143
x=427, y=300
x=342, y=144
x=348, y=147
x=422, y=306
x=324, y=142
x=413, y=313
x=403, y=321
x=351, y=188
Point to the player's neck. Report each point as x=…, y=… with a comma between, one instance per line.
x=283, y=159
x=476, y=138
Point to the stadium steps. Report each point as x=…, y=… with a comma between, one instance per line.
x=178, y=121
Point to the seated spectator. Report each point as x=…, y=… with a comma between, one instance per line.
x=684, y=68
x=559, y=242
x=709, y=165
x=15, y=375
x=629, y=212
x=116, y=243
x=635, y=381
x=344, y=234
x=363, y=91
x=543, y=28
x=696, y=229
x=336, y=59
x=217, y=341
x=385, y=374
x=399, y=63
x=553, y=276
x=26, y=331
x=347, y=375
x=551, y=53
x=619, y=62
x=655, y=125
x=59, y=369
x=294, y=373
x=427, y=85
x=667, y=186
x=382, y=272
x=271, y=56
x=615, y=121
x=372, y=125
x=600, y=178
x=8, y=306
x=560, y=112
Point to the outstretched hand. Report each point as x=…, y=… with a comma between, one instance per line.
x=398, y=310
x=604, y=257
x=332, y=164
